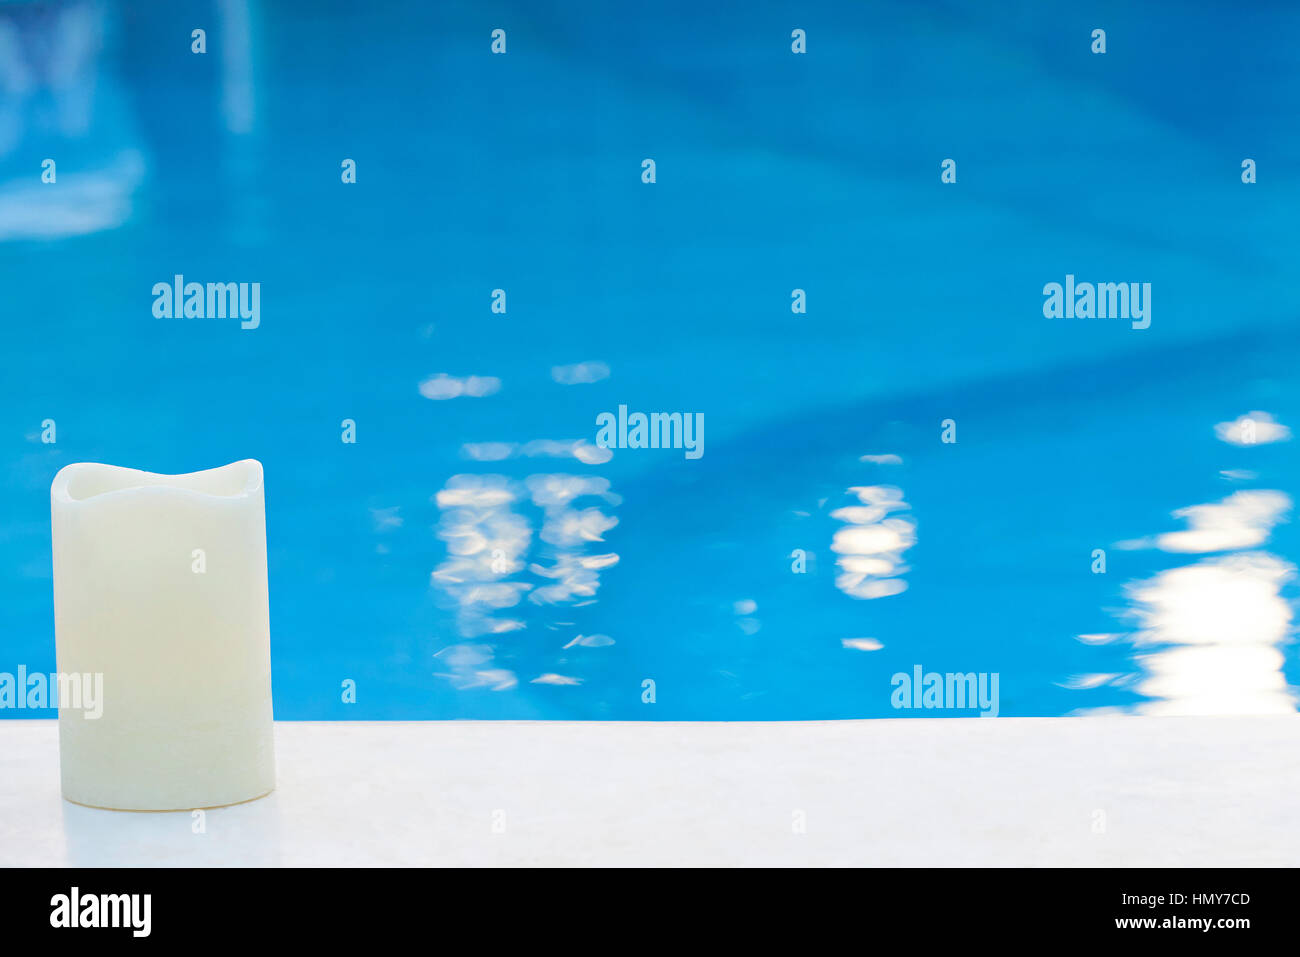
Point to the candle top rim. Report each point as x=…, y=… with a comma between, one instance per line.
x=82, y=482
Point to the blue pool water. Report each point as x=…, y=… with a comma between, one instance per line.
x=475, y=554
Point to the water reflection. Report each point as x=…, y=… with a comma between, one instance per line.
x=81, y=95
x=1209, y=634
x=872, y=543
x=1242, y=520
x=1217, y=625
x=1253, y=428
x=54, y=89
x=496, y=555
x=580, y=449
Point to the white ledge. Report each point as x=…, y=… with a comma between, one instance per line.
x=1046, y=791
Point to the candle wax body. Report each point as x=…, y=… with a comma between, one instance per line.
x=160, y=586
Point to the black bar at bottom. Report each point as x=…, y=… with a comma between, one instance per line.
x=331, y=907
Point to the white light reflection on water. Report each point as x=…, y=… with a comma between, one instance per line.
x=1210, y=634
x=872, y=543
x=1242, y=520
x=487, y=571
x=1219, y=625
x=1253, y=428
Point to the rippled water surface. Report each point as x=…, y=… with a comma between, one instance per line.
x=1108, y=531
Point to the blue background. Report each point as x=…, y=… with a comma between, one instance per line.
x=775, y=171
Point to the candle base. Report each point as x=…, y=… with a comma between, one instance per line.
x=167, y=810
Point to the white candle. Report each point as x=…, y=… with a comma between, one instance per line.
x=160, y=586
